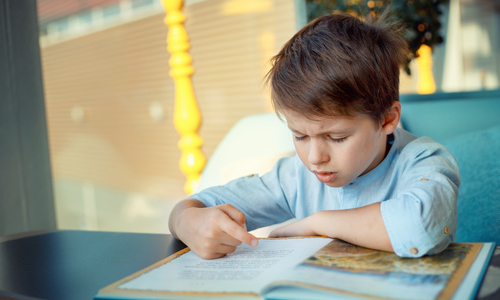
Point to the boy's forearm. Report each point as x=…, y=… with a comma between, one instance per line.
x=362, y=226
x=176, y=213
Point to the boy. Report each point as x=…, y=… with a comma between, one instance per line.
x=356, y=175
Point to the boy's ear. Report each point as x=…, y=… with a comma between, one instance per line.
x=391, y=119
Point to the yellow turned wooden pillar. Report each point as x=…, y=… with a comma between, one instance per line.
x=425, y=82
x=187, y=117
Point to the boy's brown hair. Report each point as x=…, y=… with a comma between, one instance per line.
x=338, y=65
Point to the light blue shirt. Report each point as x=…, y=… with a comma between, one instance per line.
x=417, y=185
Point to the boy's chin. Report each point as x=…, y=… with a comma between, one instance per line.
x=336, y=184
x=340, y=182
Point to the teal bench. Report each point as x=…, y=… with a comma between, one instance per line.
x=468, y=124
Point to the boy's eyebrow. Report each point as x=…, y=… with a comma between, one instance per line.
x=340, y=132
x=293, y=130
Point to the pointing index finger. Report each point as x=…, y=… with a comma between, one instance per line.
x=238, y=232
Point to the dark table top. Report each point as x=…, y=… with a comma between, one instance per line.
x=74, y=265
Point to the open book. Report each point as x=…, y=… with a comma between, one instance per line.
x=309, y=268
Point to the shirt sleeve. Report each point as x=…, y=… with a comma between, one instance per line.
x=263, y=200
x=422, y=217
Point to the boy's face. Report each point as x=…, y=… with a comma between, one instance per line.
x=338, y=149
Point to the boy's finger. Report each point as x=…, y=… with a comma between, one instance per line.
x=234, y=214
x=226, y=249
x=275, y=233
x=230, y=241
x=236, y=231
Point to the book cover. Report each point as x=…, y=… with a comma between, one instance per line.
x=308, y=268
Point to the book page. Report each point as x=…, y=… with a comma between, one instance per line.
x=350, y=270
x=248, y=269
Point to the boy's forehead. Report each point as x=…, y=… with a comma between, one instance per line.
x=295, y=116
x=298, y=122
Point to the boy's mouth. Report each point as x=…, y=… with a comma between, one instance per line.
x=325, y=177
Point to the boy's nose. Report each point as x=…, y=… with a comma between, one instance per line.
x=317, y=153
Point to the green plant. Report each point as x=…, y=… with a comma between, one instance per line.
x=420, y=17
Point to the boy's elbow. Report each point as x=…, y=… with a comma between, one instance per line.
x=413, y=234
x=430, y=243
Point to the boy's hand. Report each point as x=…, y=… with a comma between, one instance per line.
x=298, y=228
x=213, y=232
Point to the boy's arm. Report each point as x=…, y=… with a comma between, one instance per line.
x=419, y=219
x=211, y=232
x=362, y=226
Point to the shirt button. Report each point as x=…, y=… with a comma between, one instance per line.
x=413, y=250
x=424, y=179
x=446, y=230
x=251, y=175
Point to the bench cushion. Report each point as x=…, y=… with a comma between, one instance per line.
x=478, y=156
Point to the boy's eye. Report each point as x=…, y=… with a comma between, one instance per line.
x=299, y=138
x=338, y=140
